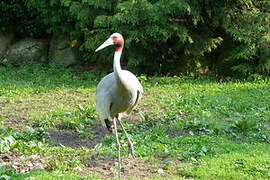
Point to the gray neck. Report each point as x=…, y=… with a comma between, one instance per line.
x=118, y=70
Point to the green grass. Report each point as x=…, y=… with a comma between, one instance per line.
x=196, y=128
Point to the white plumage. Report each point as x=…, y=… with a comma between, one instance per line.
x=108, y=93
x=117, y=93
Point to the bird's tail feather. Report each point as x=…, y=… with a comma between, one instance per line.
x=109, y=125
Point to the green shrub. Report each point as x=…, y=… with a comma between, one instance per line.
x=17, y=17
x=162, y=36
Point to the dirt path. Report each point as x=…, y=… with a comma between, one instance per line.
x=135, y=168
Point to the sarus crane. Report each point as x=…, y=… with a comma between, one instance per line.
x=118, y=93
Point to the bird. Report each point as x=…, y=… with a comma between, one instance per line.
x=118, y=93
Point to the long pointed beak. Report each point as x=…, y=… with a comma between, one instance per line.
x=108, y=42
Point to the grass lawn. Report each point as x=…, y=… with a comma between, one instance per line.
x=184, y=128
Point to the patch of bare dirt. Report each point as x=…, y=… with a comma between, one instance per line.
x=135, y=168
x=15, y=119
x=15, y=113
x=72, y=139
x=22, y=163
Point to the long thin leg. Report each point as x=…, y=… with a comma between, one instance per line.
x=130, y=144
x=118, y=147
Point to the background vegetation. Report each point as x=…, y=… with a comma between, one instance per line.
x=162, y=36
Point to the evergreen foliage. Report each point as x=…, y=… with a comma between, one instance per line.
x=17, y=17
x=162, y=36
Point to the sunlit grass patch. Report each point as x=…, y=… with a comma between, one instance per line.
x=233, y=165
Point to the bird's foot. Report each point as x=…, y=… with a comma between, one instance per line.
x=110, y=126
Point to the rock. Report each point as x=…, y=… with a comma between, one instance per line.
x=6, y=39
x=27, y=51
x=61, y=52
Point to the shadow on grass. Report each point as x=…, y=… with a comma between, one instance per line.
x=72, y=139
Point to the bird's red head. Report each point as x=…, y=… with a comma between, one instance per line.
x=115, y=39
x=118, y=40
